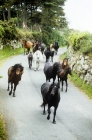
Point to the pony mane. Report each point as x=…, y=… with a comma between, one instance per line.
x=17, y=66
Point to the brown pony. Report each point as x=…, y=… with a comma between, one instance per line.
x=14, y=76
x=63, y=74
x=27, y=45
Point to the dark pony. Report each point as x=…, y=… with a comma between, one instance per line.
x=51, y=70
x=56, y=47
x=51, y=96
x=49, y=52
x=30, y=59
x=39, y=45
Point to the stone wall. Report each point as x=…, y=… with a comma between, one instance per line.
x=81, y=65
x=13, y=43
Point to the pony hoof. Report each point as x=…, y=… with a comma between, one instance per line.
x=48, y=118
x=54, y=122
x=44, y=113
x=10, y=93
x=34, y=69
x=14, y=95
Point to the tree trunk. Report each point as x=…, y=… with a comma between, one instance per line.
x=4, y=14
x=9, y=13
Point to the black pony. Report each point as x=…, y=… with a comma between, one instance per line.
x=51, y=70
x=51, y=96
x=56, y=47
x=49, y=53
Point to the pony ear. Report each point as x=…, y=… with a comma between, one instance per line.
x=12, y=68
x=58, y=84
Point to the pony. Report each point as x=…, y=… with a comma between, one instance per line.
x=56, y=47
x=52, y=51
x=49, y=53
x=30, y=58
x=27, y=45
x=37, y=57
x=38, y=45
x=51, y=96
x=51, y=70
x=63, y=74
x=42, y=45
x=14, y=76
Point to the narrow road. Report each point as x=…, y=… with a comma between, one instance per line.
x=24, y=116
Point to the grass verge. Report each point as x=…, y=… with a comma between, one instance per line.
x=3, y=133
x=87, y=89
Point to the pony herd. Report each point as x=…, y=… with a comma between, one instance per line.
x=50, y=91
x=38, y=51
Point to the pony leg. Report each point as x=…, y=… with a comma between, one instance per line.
x=44, y=108
x=11, y=89
x=54, y=79
x=24, y=51
x=62, y=86
x=49, y=112
x=66, y=86
x=14, y=90
x=54, y=115
x=35, y=65
x=28, y=50
x=30, y=64
x=38, y=65
x=51, y=59
x=8, y=85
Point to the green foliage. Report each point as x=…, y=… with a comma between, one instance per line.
x=3, y=133
x=1, y=31
x=88, y=50
x=29, y=35
x=81, y=41
x=51, y=35
x=37, y=35
x=8, y=31
x=48, y=35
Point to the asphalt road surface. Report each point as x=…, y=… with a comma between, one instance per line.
x=24, y=116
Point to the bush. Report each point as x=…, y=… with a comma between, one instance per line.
x=8, y=31
x=81, y=41
x=1, y=31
